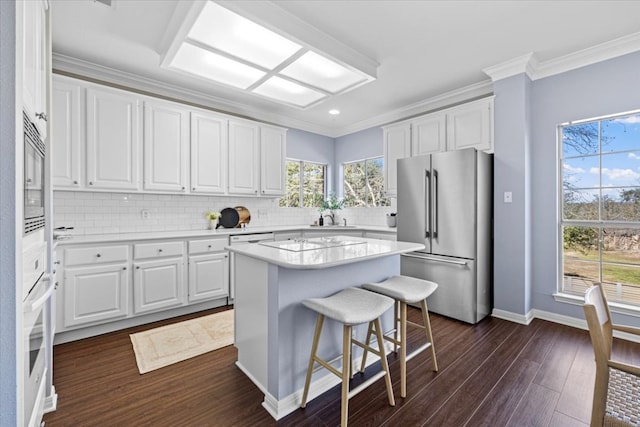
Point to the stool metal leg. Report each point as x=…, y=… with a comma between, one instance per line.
x=346, y=355
x=427, y=326
x=312, y=358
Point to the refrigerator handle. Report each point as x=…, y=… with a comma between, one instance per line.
x=435, y=204
x=427, y=201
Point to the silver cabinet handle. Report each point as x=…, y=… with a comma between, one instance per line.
x=182, y=188
x=75, y=182
x=209, y=246
x=137, y=267
x=159, y=250
x=124, y=268
x=98, y=255
x=41, y=116
x=193, y=189
x=90, y=182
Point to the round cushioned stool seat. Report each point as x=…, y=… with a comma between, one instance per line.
x=351, y=306
x=404, y=288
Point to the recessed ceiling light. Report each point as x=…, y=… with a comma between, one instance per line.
x=334, y=112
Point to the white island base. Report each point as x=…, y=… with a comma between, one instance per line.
x=274, y=331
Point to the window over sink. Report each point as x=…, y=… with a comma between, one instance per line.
x=363, y=183
x=306, y=184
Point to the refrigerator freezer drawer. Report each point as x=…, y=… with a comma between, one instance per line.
x=459, y=294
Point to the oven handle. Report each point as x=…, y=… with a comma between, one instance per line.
x=35, y=305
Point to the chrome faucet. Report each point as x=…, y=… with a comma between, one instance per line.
x=345, y=221
x=333, y=221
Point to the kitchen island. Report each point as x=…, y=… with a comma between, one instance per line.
x=274, y=331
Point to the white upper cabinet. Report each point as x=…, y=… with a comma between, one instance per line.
x=273, y=147
x=208, y=153
x=34, y=66
x=114, y=138
x=66, y=134
x=397, y=145
x=244, y=157
x=166, y=146
x=471, y=126
x=428, y=134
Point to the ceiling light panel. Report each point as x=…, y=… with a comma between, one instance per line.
x=203, y=63
x=229, y=32
x=288, y=92
x=322, y=73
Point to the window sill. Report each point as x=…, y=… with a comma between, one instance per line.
x=614, y=307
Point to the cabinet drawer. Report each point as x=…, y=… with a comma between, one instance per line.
x=96, y=254
x=157, y=249
x=209, y=245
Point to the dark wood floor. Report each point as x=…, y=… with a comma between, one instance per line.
x=495, y=373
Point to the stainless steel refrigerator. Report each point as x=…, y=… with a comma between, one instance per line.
x=445, y=201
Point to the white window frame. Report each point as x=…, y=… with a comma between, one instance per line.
x=574, y=298
x=301, y=179
x=365, y=160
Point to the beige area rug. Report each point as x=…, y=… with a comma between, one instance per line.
x=169, y=344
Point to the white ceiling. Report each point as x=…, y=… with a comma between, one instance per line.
x=427, y=51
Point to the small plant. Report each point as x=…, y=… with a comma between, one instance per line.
x=332, y=203
x=212, y=215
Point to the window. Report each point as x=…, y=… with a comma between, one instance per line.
x=601, y=206
x=306, y=184
x=364, y=183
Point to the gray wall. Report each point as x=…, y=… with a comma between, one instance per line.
x=608, y=87
x=8, y=280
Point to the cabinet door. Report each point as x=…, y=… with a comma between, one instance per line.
x=397, y=145
x=470, y=126
x=208, y=276
x=273, y=147
x=34, y=74
x=66, y=134
x=243, y=157
x=208, y=153
x=158, y=284
x=166, y=146
x=95, y=294
x=113, y=139
x=428, y=134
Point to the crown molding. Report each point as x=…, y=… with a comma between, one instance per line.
x=524, y=64
x=88, y=70
x=529, y=65
x=589, y=56
x=447, y=99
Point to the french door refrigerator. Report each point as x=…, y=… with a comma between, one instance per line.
x=445, y=201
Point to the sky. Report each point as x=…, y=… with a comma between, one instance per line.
x=618, y=159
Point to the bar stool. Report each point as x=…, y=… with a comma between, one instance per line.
x=351, y=306
x=405, y=290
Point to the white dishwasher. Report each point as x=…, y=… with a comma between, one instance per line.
x=243, y=239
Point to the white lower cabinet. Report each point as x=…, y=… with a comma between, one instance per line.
x=208, y=276
x=158, y=284
x=208, y=269
x=95, y=294
x=158, y=276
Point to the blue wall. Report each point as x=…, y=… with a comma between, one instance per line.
x=608, y=87
x=356, y=146
x=312, y=147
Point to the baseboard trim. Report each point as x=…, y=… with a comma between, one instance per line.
x=555, y=318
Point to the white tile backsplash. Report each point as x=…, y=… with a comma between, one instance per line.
x=96, y=213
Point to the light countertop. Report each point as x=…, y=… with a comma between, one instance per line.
x=220, y=232
x=324, y=252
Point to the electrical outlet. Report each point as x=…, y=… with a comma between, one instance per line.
x=145, y=214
